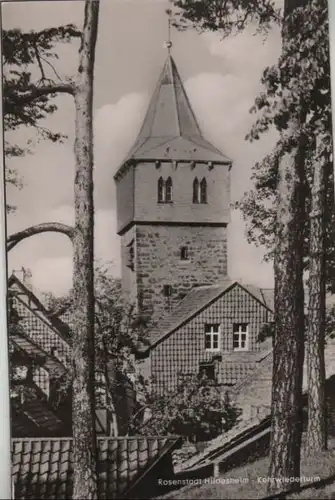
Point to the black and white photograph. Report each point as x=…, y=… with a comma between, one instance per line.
x=170, y=239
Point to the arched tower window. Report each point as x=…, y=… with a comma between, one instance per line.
x=168, y=190
x=196, y=190
x=160, y=190
x=203, y=191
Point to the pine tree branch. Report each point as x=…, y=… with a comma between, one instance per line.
x=54, y=227
x=25, y=96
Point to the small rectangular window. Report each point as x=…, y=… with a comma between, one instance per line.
x=240, y=337
x=212, y=337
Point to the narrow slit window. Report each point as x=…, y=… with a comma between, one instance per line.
x=167, y=290
x=160, y=190
x=184, y=253
x=196, y=190
x=203, y=191
x=168, y=190
x=130, y=255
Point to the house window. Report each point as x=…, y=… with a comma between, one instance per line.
x=212, y=337
x=240, y=337
x=184, y=253
x=167, y=290
x=168, y=190
x=160, y=193
x=196, y=190
x=203, y=191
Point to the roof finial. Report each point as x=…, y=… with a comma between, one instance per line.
x=168, y=43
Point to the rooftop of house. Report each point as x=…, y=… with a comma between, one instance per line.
x=123, y=463
x=170, y=130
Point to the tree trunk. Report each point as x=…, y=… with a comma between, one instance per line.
x=83, y=404
x=288, y=349
x=316, y=377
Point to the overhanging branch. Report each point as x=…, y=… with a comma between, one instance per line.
x=46, y=227
x=24, y=96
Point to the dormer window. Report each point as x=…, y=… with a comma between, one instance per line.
x=207, y=370
x=199, y=191
x=164, y=190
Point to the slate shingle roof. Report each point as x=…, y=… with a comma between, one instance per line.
x=170, y=130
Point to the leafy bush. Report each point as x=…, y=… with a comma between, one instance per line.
x=196, y=410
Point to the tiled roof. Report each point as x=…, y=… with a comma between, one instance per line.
x=37, y=335
x=33, y=302
x=42, y=468
x=170, y=129
x=194, y=302
x=35, y=416
x=50, y=363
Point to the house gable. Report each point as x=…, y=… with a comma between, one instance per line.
x=27, y=297
x=34, y=331
x=181, y=348
x=196, y=301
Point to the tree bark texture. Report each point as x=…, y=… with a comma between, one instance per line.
x=316, y=376
x=44, y=227
x=83, y=404
x=288, y=349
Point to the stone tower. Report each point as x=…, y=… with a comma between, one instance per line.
x=172, y=203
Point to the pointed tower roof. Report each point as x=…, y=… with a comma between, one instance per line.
x=170, y=130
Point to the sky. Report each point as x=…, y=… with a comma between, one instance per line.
x=222, y=79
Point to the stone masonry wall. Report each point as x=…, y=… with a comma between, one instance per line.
x=158, y=263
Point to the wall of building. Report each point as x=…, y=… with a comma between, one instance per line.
x=183, y=350
x=129, y=285
x=158, y=263
x=125, y=198
x=182, y=209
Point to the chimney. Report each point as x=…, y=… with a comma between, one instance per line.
x=27, y=278
x=25, y=275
